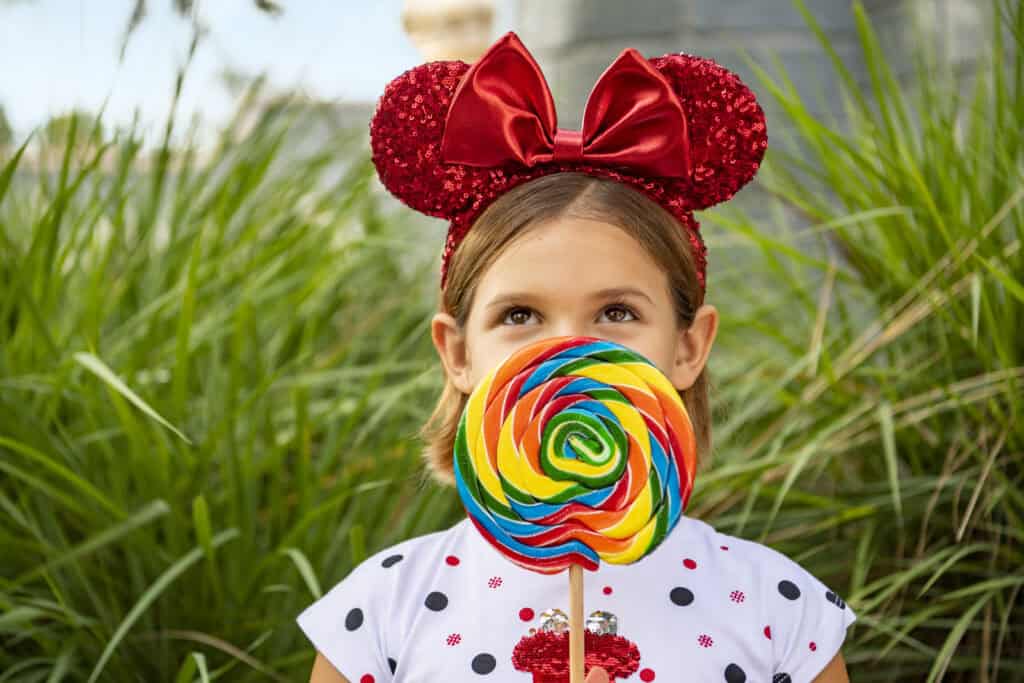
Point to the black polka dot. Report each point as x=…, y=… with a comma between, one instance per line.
x=835, y=600
x=354, y=619
x=391, y=560
x=436, y=601
x=484, y=663
x=789, y=590
x=681, y=596
x=734, y=674
x=392, y=664
x=781, y=678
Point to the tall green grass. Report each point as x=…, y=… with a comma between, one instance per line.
x=873, y=361
x=210, y=374
x=212, y=368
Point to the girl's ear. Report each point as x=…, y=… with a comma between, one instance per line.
x=693, y=347
x=450, y=342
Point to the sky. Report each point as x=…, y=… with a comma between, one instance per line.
x=56, y=55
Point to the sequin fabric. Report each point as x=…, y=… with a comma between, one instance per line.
x=546, y=656
x=728, y=139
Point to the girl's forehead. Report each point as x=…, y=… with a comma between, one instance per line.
x=572, y=241
x=572, y=257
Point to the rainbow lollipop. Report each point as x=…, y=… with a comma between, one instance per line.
x=573, y=451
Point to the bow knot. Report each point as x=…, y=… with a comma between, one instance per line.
x=568, y=146
x=503, y=113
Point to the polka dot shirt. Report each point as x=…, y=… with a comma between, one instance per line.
x=703, y=606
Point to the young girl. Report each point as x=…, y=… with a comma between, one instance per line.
x=556, y=232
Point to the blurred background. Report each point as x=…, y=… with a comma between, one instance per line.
x=214, y=341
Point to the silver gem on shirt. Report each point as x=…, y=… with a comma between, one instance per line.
x=602, y=623
x=554, y=620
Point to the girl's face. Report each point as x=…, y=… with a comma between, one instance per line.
x=573, y=276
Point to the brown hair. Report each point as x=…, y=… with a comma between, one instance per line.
x=550, y=197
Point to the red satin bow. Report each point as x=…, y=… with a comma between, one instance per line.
x=503, y=112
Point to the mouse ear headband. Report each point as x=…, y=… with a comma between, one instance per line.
x=449, y=138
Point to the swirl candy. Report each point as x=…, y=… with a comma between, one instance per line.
x=572, y=451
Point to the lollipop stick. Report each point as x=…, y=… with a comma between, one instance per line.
x=575, y=624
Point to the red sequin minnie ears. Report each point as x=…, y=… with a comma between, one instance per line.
x=449, y=138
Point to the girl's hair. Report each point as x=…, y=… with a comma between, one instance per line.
x=554, y=196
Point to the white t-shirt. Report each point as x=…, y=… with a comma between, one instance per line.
x=704, y=606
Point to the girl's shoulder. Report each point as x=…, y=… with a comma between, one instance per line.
x=356, y=623
x=732, y=557
x=782, y=609
x=726, y=563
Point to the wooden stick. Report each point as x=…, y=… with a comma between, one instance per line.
x=576, y=652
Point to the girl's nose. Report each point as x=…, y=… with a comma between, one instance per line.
x=571, y=328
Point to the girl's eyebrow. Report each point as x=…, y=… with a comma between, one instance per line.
x=621, y=292
x=510, y=297
x=608, y=293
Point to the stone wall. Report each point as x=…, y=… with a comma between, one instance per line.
x=575, y=40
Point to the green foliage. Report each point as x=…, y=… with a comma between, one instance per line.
x=877, y=380
x=88, y=129
x=6, y=132
x=210, y=374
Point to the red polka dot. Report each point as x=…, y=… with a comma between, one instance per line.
x=813, y=646
x=367, y=678
x=452, y=560
x=768, y=632
x=724, y=547
x=647, y=675
x=526, y=614
x=607, y=590
x=689, y=564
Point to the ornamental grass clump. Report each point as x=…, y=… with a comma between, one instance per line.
x=872, y=359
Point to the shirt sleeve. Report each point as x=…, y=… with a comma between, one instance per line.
x=348, y=624
x=808, y=621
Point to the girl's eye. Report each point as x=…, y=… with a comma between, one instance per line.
x=518, y=315
x=618, y=311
